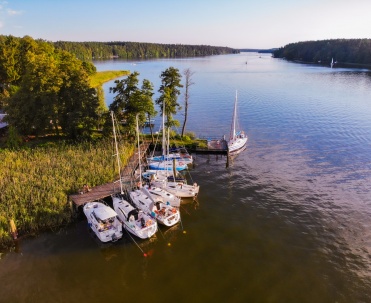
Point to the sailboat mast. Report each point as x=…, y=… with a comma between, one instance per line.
x=163, y=130
x=117, y=151
x=139, y=156
x=234, y=117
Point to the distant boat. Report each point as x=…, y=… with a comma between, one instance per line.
x=332, y=62
x=238, y=140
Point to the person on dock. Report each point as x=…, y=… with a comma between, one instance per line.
x=85, y=189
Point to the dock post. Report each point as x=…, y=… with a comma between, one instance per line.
x=13, y=229
x=228, y=159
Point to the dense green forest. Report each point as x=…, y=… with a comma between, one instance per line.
x=137, y=50
x=356, y=51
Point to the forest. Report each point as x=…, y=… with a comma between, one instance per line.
x=138, y=50
x=343, y=51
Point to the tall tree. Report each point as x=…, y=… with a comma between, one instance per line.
x=188, y=82
x=132, y=100
x=124, y=103
x=54, y=93
x=147, y=95
x=169, y=89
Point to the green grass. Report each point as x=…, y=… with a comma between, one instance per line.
x=102, y=77
x=35, y=182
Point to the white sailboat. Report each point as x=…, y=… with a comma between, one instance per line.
x=238, y=140
x=166, y=161
x=164, y=213
x=164, y=195
x=103, y=221
x=133, y=220
x=332, y=62
x=165, y=180
x=153, y=205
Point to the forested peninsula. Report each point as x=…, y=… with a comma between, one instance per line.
x=342, y=51
x=58, y=132
x=137, y=50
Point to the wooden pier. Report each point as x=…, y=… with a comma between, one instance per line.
x=105, y=190
x=214, y=146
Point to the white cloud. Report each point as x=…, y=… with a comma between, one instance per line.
x=12, y=12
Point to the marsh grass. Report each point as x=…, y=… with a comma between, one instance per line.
x=35, y=182
x=102, y=77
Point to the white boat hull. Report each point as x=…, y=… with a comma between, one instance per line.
x=237, y=145
x=137, y=223
x=103, y=221
x=164, y=214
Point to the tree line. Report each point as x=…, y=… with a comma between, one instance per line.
x=138, y=50
x=46, y=89
x=357, y=51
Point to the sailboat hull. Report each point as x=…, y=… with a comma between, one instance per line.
x=238, y=145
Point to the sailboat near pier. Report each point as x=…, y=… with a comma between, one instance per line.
x=237, y=140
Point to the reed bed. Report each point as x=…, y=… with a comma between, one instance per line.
x=35, y=183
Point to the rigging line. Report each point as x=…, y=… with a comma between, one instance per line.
x=159, y=229
x=157, y=139
x=180, y=219
x=144, y=254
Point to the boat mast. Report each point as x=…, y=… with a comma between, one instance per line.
x=163, y=130
x=234, y=118
x=117, y=151
x=139, y=157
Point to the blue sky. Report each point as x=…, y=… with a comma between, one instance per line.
x=232, y=23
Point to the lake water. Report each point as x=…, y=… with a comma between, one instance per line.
x=289, y=221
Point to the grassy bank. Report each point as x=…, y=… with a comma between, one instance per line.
x=100, y=78
x=35, y=183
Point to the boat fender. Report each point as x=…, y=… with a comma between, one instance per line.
x=173, y=210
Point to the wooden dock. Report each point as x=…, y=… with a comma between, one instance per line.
x=105, y=190
x=214, y=146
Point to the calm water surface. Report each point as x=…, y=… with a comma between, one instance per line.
x=289, y=221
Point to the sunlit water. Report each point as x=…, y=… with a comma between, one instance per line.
x=289, y=221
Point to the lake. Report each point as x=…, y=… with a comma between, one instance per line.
x=288, y=221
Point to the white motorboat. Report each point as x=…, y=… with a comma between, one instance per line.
x=135, y=221
x=238, y=140
x=164, y=214
x=103, y=221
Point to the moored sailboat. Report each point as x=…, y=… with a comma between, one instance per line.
x=238, y=140
x=133, y=220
